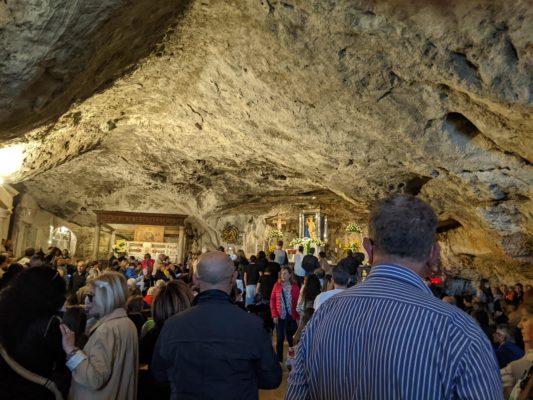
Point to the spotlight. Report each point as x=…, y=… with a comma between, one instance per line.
x=11, y=160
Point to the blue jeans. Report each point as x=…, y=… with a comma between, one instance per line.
x=250, y=294
x=284, y=327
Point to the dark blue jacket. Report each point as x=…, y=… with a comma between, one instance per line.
x=215, y=350
x=508, y=352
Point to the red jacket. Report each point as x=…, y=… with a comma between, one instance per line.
x=276, y=299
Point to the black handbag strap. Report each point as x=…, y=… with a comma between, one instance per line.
x=289, y=311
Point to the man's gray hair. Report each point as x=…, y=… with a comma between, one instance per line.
x=403, y=226
x=506, y=332
x=214, y=267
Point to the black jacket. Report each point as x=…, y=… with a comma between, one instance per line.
x=310, y=263
x=215, y=350
x=39, y=351
x=351, y=263
x=77, y=281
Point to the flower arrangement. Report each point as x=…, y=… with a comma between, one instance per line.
x=271, y=249
x=295, y=242
x=120, y=246
x=275, y=234
x=306, y=241
x=353, y=228
x=354, y=245
x=318, y=242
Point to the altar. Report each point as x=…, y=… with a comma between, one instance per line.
x=142, y=233
x=313, y=233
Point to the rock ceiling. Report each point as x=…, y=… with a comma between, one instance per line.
x=218, y=107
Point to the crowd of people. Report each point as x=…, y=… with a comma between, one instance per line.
x=153, y=329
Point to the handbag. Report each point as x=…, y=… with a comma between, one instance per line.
x=288, y=317
x=30, y=376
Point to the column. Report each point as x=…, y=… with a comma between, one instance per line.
x=111, y=241
x=4, y=222
x=96, y=244
x=181, y=244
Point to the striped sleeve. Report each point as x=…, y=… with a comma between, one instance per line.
x=477, y=374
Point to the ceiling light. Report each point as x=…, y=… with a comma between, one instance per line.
x=11, y=159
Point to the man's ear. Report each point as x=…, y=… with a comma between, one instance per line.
x=234, y=278
x=369, y=248
x=434, y=256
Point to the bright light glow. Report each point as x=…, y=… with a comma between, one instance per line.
x=11, y=159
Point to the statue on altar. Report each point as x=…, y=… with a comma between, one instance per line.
x=313, y=225
x=310, y=227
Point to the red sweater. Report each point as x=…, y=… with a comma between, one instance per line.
x=276, y=299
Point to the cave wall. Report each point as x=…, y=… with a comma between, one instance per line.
x=224, y=110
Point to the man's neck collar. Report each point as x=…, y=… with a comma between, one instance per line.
x=418, y=268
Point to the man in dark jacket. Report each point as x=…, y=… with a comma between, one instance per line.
x=78, y=278
x=352, y=264
x=215, y=350
x=310, y=262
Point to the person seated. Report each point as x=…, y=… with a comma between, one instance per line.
x=506, y=350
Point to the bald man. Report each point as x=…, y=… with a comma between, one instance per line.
x=215, y=350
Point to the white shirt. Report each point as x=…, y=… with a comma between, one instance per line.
x=298, y=270
x=24, y=261
x=322, y=297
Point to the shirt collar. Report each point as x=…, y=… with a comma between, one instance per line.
x=212, y=295
x=400, y=273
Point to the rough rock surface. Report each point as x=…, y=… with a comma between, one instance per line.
x=216, y=108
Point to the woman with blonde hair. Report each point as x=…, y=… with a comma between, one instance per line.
x=106, y=368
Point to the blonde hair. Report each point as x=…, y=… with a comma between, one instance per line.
x=110, y=292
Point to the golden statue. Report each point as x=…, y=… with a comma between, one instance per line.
x=311, y=227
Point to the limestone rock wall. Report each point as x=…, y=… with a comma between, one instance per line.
x=232, y=108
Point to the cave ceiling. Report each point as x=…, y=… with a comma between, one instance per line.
x=218, y=107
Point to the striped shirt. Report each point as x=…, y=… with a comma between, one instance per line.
x=390, y=338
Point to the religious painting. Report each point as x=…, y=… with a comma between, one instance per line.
x=145, y=233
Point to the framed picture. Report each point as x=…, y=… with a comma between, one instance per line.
x=313, y=225
x=145, y=233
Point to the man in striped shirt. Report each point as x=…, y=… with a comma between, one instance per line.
x=389, y=337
